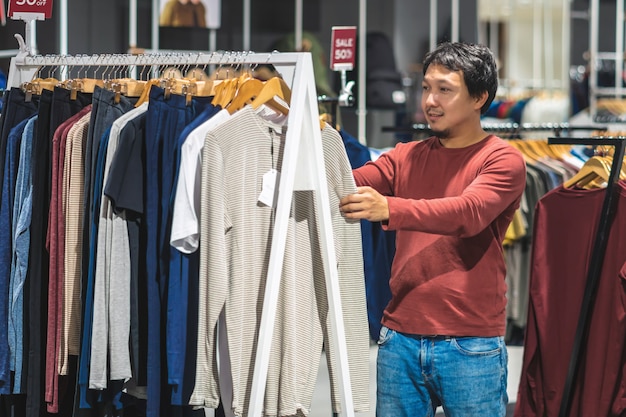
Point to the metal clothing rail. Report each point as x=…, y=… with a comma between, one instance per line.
x=302, y=169
x=25, y=66
x=597, y=256
x=8, y=53
x=556, y=128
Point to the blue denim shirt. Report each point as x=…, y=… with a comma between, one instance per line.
x=22, y=209
x=6, y=242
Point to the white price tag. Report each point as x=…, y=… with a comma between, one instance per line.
x=270, y=181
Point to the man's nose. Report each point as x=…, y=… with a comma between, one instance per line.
x=430, y=99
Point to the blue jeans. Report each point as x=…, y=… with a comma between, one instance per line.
x=416, y=374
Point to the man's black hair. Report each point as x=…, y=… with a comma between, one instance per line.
x=476, y=63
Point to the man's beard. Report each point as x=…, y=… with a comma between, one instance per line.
x=441, y=134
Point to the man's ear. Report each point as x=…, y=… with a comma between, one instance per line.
x=480, y=101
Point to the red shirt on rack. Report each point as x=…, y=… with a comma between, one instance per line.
x=566, y=222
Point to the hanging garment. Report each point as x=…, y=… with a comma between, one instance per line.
x=182, y=302
x=110, y=356
x=565, y=225
x=36, y=284
x=16, y=111
x=105, y=110
x=166, y=119
x=80, y=144
x=234, y=237
x=73, y=184
x=124, y=188
x=185, y=225
x=379, y=248
x=22, y=208
x=56, y=248
x=6, y=249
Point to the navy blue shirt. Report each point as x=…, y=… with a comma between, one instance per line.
x=378, y=248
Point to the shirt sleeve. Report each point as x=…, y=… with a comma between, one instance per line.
x=498, y=185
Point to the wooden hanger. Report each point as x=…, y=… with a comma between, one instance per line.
x=218, y=91
x=248, y=90
x=145, y=95
x=561, y=150
x=89, y=84
x=527, y=153
x=225, y=92
x=131, y=87
x=204, y=88
x=533, y=149
x=596, y=168
x=44, y=84
x=275, y=87
x=547, y=150
x=196, y=89
x=36, y=86
x=127, y=87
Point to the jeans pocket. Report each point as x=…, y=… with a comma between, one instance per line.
x=385, y=335
x=478, y=345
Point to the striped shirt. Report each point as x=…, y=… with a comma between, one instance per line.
x=235, y=237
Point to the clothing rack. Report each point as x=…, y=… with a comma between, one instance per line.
x=508, y=128
x=302, y=169
x=24, y=67
x=597, y=256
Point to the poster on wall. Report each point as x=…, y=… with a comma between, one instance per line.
x=191, y=13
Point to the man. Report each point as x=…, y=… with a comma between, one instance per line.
x=450, y=199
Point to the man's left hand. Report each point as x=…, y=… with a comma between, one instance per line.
x=367, y=204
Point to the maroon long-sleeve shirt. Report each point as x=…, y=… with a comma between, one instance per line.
x=450, y=208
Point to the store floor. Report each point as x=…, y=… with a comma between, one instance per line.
x=321, y=399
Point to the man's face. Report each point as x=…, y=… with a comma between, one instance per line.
x=446, y=102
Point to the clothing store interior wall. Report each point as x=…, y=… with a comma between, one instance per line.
x=96, y=27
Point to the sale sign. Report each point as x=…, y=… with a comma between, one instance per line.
x=30, y=9
x=343, y=48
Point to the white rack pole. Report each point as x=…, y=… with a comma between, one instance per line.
x=548, y=47
x=156, y=13
x=433, y=25
x=63, y=32
x=362, y=105
x=132, y=30
x=30, y=35
x=594, y=14
x=298, y=25
x=455, y=21
x=482, y=32
x=537, y=43
x=132, y=23
x=155, y=24
x=212, y=40
x=494, y=41
x=8, y=53
x=565, y=51
x=246, y=25
x=619, y=46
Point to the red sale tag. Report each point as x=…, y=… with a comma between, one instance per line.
x=29, y=9
x=343, y=48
